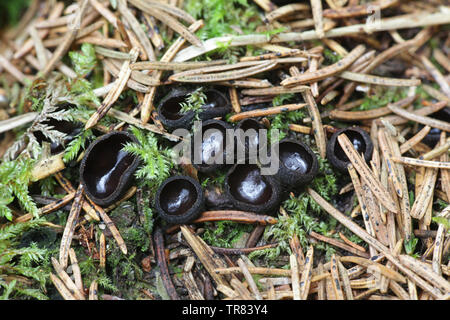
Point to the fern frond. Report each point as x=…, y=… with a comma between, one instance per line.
x=156, y=160
x=74, y=146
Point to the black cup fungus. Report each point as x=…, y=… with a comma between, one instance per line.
x=170, y=108
x=432, y=138
x=251, y=191
x=298, y=164
x=71, y=129
x=106, y=170
x=281, y=3
x=210, y=155
x=216, y=105
x=251, y=141
x=361, y=141
x=179, y=199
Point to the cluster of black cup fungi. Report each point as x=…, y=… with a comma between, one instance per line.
x=107, y=171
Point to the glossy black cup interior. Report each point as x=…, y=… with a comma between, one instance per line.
x=179, y=199
x=170, y=108
x=107, y=170
x=295, y=158
x=250, y=137
x=71, y=129
x=211, y=153
x=248, y=185
x=432, y=138
x=360, y=140
x=251, y=191
x=356, y=139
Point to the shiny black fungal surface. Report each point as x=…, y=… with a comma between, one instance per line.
x=211, y=151
x=217, y=105
x=434, y=135
x=298, y=163
x=281, y=3
x=252, y=141
x=361, y=141
x=71, y=129
x=179, y=199
x=249, y=190
x=169, y=108
x=106, y=170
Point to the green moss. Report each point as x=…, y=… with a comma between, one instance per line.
x=281, y=122
x=194, y=102
x=283, y=98
x=24, y=253
x=330, y=56
x=303, y=216
x=157, y=162
x=224, y=233
x=410, y=246
x=442, y=221
x=382, y=98
x=83, y=61
x=12, y=10
x=15, y=176
x=224, y=17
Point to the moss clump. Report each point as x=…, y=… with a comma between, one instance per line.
x=224, y=17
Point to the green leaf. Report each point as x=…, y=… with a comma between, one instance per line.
x=410, y=246
x=84, y=61
x=157, y=161
x=224, y=17
x=441, y=220
x=194, y=101
x=74, y=146
x=8, y=289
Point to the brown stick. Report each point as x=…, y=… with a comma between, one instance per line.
x=323, y=73
x=317, y=125
x=70, y=227
x=372, y=241
x=359, y=10
x=162, y=263
x=110, y=224
x=68, y=39
x=368, y=114
x=266, y=111
x=338, y=244
x=366, y=174
x=239, y=251
x=48, y=208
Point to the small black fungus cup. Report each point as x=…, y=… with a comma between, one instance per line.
x=298, y=164
x=432, y=138
x=217, y=105
x=249, y=138
x=251, y=191
x=210, y=155
x=71, y=129
x=179, y=199
x=361, y=141
x=169, y=108
x=106, y=170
